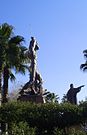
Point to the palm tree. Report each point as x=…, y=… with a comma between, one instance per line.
x=14, y=55
x=50, y=97
x=84, y=66
x=64, y=99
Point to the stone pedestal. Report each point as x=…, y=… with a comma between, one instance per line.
x=32, y=98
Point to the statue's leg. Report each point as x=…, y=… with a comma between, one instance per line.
x=33, y=70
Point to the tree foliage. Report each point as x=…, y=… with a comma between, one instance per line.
x=50, y=97
x=21, y=128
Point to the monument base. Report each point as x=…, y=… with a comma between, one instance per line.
x=31, y=98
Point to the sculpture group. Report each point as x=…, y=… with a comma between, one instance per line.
x=34, y=85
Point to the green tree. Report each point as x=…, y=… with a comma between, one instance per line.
x=84, y=66
x=13, y=54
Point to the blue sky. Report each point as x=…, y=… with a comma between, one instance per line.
x=60, y=27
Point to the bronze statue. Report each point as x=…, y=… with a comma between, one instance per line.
x=72, y=93
x=35, y=81
x=32, y=90
x=33, y=47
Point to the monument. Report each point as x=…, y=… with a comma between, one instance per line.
x=72, y=93
x=32, y=90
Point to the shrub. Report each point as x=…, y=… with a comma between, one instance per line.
x=21, y=128
x=45, y=117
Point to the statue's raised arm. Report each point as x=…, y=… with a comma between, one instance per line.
x=80, y=86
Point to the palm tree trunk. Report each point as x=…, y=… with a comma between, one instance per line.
x=0, y=83
x=5, y=84
x=0, y=87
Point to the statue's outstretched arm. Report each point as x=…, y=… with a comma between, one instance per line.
x=79, y=88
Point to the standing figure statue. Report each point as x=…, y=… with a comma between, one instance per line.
x=72, y=93
x=35, y=81
x=32, y=90
x=33, y=47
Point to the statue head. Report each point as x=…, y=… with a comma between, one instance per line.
x=33, y=38
x=71, y=85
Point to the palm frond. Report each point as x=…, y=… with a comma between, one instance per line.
x=85, y=69
x=85, y=55
x=6, y=30
x=83, y=65
x=85, y=51
x=16, y=40
x=21, y=69
x=23, y=48
x=12, y=76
